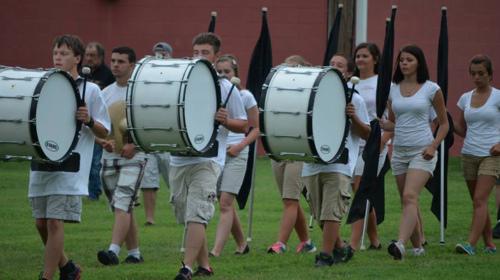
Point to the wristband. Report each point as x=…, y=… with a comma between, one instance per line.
x=90, y=124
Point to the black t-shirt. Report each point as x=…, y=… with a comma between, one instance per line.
x=102, y=76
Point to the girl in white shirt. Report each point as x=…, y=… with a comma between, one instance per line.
x=234, y=170
x=414, y=156
x=367, y=57
x=479, y=123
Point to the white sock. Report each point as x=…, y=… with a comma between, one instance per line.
x=115, y=248
x=134, y=252
x=189, y=268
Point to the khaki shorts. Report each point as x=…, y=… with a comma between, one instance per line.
x=329, y=195
x=193, y=191
x=473, y=166
x=121, y=178
x=59, y=207
x=233, y=173
x=288, y=178
x=404, y=158
x=157, y=165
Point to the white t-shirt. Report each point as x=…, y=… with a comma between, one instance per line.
x=483, y=124
x=248, y=102
x=44, y=183
x=367, y=89
x=236, y=111
x=112, y=94
x=352, y=144
x=412, y=115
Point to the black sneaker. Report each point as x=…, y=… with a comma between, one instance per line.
x=133, y=260
x=203, y=272
x=323, y=259
x=496, y=231
x=396, y=250
x=342, y=255
x=373, y=247
x=108, y=258
x=184, y=274
x=70, y=271
x=244, y=252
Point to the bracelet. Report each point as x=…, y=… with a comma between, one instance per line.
x=90, y=124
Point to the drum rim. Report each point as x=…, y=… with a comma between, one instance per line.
x=32, y=115
x=215, y=77
x=310, y=117
x=262, y=105
x=128, y=100
x=262, y=102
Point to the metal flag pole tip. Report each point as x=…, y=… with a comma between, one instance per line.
x=213, y=13
x=264, y=9
x=444, y=8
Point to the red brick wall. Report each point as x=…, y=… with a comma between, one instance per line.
x=472, y=27
x=297, y=27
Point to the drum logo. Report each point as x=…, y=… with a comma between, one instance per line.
x=198, y=139
x=325, y=149
x=51, y=146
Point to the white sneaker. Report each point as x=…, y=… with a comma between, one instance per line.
x=397, y=250
x=418, y=252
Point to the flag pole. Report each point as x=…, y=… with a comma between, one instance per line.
x=365, y=224
x=441, y=189
x=252, y=193
x=442, y=155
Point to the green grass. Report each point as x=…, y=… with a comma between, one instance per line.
x=21, y=250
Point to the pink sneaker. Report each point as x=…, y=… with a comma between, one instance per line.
x=277, y=248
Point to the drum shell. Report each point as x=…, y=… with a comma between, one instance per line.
x=37, y=114
x=162, y=96
x=303, y=114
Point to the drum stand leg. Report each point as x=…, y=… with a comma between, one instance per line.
x=365, y=224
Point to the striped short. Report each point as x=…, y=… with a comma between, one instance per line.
x=121, y=178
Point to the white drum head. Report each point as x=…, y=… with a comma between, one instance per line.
x=200, y=106
x=329, y=118
x=55, y=117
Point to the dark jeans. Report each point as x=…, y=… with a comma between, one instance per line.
x=95, y=173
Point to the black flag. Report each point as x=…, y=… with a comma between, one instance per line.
x=372, y=186
x=434, y=184
x=260, y=65
x=333, y=38
x=213, y=18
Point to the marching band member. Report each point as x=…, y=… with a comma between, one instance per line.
x=55, y=191
x=328, y=187
x=290, y=186
x=234, y=170
x=123, y=167
x=414, y=157
x=193, y=180
x=479, y=123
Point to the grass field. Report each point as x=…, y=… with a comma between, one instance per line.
x=21, y=250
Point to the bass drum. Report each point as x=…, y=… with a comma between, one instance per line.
x=37, y=114
x=302, y=114
x=171, y=105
